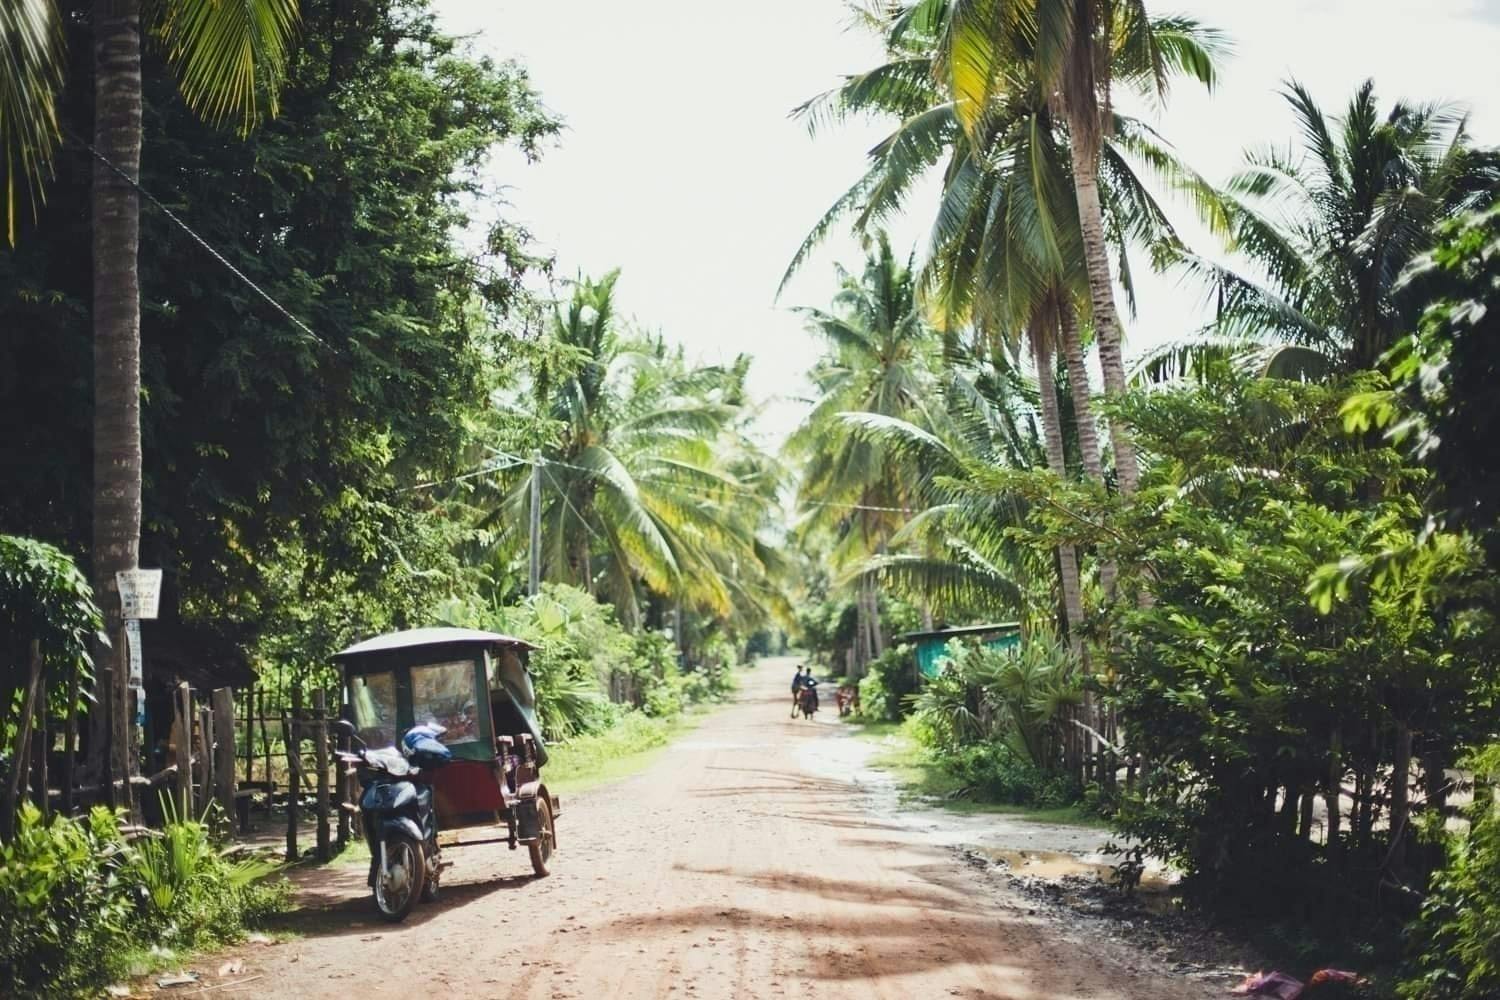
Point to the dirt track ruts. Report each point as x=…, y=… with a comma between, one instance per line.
x=724, y=870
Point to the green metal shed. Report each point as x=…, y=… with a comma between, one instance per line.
x=930, y=646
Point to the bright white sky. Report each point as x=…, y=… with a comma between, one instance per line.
x=680, y=165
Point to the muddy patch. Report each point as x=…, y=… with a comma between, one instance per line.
x=1083, y=892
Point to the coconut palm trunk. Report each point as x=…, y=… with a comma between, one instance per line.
x=1085, y=156
x=117, y=323
x=1083, y=413
x=1067, y=555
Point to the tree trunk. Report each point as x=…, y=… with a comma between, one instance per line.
x=1083, y=416
x=1067, y=555
x=1400, y=785
x=1101, y=289
x=877, y=640
x=1331, y=788
x=117, y=327
x=22, y=744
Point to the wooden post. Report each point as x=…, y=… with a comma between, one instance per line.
x=265, y=745
x=40, y=740
x=182, y=737
x=294, y=767
x=346, y=797
x=249, y=716
x=70, y=743
x=205, y=758
x=105, y=685
x=320, y=734
x=224, y=751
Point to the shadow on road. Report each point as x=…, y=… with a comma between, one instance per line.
x=844, y=890
x=336, y=901
x=850, y=948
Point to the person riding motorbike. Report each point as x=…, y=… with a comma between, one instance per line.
x=797, y=680
x=809, y=700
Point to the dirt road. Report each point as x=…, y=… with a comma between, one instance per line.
x=728, y=869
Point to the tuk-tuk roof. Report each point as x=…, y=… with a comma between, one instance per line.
x=415, y=637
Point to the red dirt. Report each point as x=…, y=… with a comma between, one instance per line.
x=722, y=871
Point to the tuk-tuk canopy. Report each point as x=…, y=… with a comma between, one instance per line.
x=430, y=637
x=472, y=683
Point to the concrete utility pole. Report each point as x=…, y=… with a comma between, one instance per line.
x=535, y=582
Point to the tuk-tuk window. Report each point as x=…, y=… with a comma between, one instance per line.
x=372, y=697
x=443, y=694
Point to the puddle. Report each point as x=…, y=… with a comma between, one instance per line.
x=1154, y=892
x=1049, y=865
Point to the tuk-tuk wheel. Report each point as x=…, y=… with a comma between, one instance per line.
x=541, y=848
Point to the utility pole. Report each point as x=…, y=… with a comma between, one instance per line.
x=535, y=581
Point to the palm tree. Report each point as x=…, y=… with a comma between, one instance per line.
x=1006, y=249
x=1076, y=50
x=224, y=55
x=648, y=479
x=880, y=362
x=1332, y=229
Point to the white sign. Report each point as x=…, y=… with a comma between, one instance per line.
x=133, y=642
x=140, y=592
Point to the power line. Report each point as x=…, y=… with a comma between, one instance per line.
x=515, y=460
x=484, y=471
x=212, y=252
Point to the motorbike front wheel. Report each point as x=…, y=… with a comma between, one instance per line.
x=402, y=880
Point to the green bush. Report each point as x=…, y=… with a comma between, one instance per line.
x=658, y=682
x=707, y=685
x=64, y=913
x=994, y=772
x=76, y=899
x=884, y=691
x=579, y=644
x=190, y=893
x=1456, y=941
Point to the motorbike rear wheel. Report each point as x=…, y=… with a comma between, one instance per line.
x=397, y=888
x=541, y=848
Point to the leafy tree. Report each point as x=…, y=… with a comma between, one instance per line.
x=1250, y=701
x=281, y=466
x=223, y=56
x=1440, y=404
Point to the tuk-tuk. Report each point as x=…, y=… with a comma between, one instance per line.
x=473, y=690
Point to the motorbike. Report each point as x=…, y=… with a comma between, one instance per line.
x=399, y=821
x=807, y=701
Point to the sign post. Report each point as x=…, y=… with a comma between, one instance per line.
x=140, y=598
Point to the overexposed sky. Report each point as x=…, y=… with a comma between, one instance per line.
x=680, y=165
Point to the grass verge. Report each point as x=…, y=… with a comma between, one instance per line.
x=926, y=781
x=616, y=753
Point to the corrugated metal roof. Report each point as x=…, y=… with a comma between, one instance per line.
x=430, y=637
x=949, y=633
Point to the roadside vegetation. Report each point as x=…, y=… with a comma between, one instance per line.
x=1253, y=576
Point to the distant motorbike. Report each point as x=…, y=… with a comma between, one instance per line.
x=399, y=822
x=807, y=700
